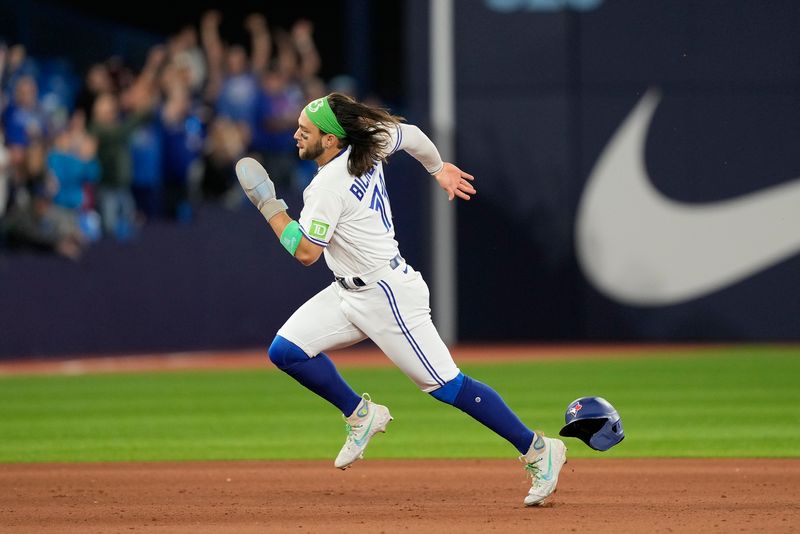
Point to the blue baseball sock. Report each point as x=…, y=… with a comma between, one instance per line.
x=484, y=404
x=318, y=374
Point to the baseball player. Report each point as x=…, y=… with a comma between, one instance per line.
x=375, y=294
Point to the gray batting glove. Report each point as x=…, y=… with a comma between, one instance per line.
x=255, y=181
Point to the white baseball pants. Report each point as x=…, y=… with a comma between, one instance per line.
x=394, y=312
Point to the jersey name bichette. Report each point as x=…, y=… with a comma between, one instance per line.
x=350, y=216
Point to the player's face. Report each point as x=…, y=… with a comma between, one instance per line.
x=309, y=139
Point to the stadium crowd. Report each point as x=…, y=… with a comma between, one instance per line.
x=97, y=154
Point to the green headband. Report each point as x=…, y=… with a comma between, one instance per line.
x=320, y=113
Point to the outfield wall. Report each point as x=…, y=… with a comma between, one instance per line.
x=679, y=224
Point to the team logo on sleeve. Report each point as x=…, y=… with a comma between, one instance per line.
x=318, y=229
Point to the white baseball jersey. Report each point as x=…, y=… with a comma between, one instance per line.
x=351, y=217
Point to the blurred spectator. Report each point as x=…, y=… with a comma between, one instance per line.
x=233, y=77
x=5, y=172
x=23, y=122
x=188, y=60
x=58, y=85
x=122, y=75
x=280, y=103
x=72, y=160
x=15, y=63
x=114, y=132
x=3, y=74
x=281, y=99
x=97, y=81
x=147, y=158
x=3, y=70
x=309, y=62
x=222, y=149
x=233, y=88
x=37, y=223
x=114, y=120
x=183, y=140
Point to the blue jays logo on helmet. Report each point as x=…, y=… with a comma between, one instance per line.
x=594, y=421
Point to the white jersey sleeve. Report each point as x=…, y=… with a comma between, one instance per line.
x=414, y=141
x=322, y=209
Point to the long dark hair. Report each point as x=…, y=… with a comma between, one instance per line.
x=366, y=129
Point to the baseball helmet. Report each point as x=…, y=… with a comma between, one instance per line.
x=594, y=421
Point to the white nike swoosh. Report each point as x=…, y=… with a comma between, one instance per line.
x=641, y=248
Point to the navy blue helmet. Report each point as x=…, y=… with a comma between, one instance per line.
x=594, y=421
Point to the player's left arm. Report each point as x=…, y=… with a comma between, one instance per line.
x=410, y=138
x=259, y=188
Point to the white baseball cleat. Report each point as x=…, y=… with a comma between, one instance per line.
x=367, y=420
x=543, y=461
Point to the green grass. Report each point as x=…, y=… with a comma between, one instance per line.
x=716, y=403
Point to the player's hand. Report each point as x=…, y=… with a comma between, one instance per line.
x=455, y=182
x=254, y=179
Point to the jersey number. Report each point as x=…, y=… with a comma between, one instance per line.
x=380, y=203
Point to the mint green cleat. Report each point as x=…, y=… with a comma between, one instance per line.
x=543, y=461
x=367, y=420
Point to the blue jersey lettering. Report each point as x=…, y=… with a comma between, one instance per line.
x=357, y=191
x=361, y=184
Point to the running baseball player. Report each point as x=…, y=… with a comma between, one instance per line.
x=375, y=294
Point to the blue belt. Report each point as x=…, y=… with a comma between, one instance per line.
x=394, y=263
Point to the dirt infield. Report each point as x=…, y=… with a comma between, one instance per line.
x=400, y=496
x=441, y=496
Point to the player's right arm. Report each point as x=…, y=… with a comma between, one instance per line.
x=306, y=252
x=259, y=188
